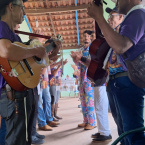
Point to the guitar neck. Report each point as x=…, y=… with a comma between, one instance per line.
x=31, y=34
x=97, y=29
x=97, y=2
x=52, y=45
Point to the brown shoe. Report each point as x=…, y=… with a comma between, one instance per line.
x=89, y=127
x=45, y=128
x=82, y=125
x=53, y=124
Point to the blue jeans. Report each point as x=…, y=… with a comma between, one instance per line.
x=2, y=132
x=15, y=122
x=127, y=104
x=44, y=113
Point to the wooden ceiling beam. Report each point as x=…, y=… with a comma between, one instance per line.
x=57, y=0
x=73, y=30
x=73, y=19
x=57, y=14
x=38, y=1
x=69, y=31
x=63, y=20
x=69, y=13
x=73, y=25
x=68, y=35
x=54, y=10
x=52, y=24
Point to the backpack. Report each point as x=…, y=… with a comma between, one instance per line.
x=136, y=70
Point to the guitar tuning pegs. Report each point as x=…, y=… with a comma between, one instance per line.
x=59, y=37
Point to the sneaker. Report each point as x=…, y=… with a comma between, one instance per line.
x=95, y=135
x=89, y=127
x=82, y=125
x=36, y=140
x=102, y=138
x=39, y=136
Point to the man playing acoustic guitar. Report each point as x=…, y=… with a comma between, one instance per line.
x=14, y=105
x=131, y=41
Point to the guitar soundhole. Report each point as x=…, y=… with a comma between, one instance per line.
x=37, y=58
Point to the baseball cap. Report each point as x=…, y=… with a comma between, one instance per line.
x=109, y=10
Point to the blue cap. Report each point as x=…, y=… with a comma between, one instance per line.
x=109, y=10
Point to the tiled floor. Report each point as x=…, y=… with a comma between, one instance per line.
x=67, y=133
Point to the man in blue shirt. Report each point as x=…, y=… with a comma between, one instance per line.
x=116, y=67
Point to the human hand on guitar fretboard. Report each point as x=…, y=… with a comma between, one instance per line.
x=58, y=46
x=56, y=42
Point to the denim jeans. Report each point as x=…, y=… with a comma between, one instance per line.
x=127, y=104
x=15, y=120
x=35, y=112
x=44, y=113
x=2, y=132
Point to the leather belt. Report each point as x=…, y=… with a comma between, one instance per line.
x=4, y=87
x=122, y=74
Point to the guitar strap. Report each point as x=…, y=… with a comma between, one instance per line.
x=107, y=59
x=26, y=119
x=109, y=52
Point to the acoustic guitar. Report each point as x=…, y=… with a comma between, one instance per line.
x=98, y=51
x=21, y=75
